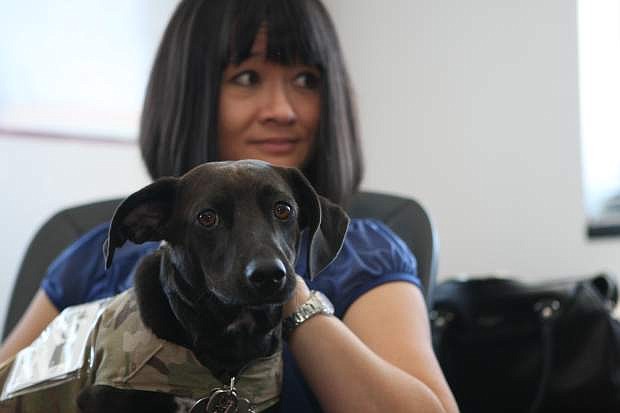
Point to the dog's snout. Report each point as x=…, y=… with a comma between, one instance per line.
x=268, y=276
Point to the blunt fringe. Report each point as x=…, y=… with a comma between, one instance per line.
x=178, y=128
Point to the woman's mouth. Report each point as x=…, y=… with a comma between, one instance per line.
x=276, y=146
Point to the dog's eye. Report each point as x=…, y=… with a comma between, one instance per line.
x=207, y=218
x=282, y=211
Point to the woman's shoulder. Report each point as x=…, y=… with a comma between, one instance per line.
x=369, y=240
x=79, y=273
x=83, y=248
x=372, y=254
x=372, y=232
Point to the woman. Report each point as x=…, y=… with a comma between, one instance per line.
x=236, y=79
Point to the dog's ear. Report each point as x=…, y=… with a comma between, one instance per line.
x=141, y=217
x=327, y=222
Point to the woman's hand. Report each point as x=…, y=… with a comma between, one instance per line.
x=300, y=296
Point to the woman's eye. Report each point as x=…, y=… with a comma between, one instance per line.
x=247, y=78
x=282, y=211
x=208, y=218
x=308, y=80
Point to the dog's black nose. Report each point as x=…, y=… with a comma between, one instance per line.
x=268, y=275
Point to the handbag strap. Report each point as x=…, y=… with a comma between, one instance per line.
x=548, y=311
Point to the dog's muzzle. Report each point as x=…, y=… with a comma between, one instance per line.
x=266, y=276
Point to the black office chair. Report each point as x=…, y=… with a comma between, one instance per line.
x=404, y=216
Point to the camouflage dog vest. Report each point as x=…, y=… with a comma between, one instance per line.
x=121, y=352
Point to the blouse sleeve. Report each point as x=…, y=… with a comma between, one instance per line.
x=79, y=275
x=69, y=277
x=371, y=255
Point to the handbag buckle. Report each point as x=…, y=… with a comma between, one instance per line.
x=441, y=318
x=548, y=309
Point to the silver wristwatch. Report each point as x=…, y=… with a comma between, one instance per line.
x=317, y=303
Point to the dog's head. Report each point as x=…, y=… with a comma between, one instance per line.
x=233, y=228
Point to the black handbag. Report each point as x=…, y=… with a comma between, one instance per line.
x=509, y=346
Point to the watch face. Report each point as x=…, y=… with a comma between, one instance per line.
x=328, y=306
x=318, y=303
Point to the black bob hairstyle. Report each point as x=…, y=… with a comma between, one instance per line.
x=179, y=119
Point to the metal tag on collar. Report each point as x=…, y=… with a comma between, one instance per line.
x=223, y=400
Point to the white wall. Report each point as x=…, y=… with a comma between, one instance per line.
x=469, y=106
x=472, y=107
x=41, y=176
x=68, y=73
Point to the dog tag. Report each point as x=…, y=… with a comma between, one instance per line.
x=223, y=400
x=245, y=406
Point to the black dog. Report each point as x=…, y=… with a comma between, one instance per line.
x=218, y=283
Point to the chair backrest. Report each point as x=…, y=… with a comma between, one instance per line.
x=404, y=216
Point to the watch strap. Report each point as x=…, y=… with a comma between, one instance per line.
x=317, y=303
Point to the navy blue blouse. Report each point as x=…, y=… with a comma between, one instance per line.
x=371, y=255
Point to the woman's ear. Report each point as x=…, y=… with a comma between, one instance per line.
x=326, y=222
x=142, y=216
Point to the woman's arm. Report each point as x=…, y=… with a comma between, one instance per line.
x=379, y=360
x=39, y=314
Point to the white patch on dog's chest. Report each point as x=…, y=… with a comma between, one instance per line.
x=245, y=322
x=184, y=404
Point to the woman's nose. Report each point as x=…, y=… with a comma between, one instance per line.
x=277, y=105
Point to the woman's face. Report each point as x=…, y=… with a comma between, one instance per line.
x=268, y=111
